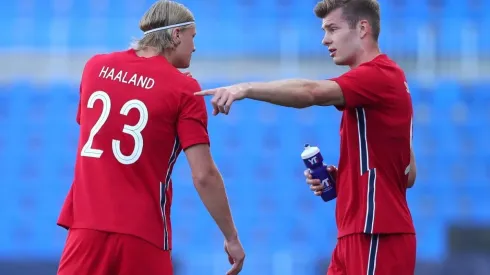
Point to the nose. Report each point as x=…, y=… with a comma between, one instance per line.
x=326, y=40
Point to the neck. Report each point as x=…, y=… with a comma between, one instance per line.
x=168, y=55
x=147, y=52
x=366, y=55
x=151, y=52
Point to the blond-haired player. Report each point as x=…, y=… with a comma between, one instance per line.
x=137, y=112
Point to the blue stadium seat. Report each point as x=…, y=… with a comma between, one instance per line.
x=466, y=263
x=484, y=40
x=417, y=11
x=9, y=30
x=433, y=234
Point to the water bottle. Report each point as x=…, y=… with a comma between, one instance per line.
x=314, y=162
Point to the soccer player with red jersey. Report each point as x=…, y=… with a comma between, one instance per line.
x=375, y=229
x=137, y=112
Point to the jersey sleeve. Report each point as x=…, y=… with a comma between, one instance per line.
x=192, y=123
x=361, y=87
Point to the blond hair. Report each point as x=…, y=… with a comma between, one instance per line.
x=162, y=13
x=353, y=11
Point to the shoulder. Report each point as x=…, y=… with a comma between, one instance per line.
x=184, y=87
x=381, y=73
x=191, y=85
x=372, y=70
x=386, y=69
x=96, y=60
x=189, y=102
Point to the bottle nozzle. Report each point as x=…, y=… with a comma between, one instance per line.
x=307, y=145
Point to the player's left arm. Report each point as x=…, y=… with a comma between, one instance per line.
x=413, y=170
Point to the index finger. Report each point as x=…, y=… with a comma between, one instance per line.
x=206, y=92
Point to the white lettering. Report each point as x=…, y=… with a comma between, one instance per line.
x=325, y=183
x=119, y=76
x=111, y=74
x=133, y=79
x=150, y=83
x=122, y=76
x=141, y=81
x=103, y=72
x=312, y=160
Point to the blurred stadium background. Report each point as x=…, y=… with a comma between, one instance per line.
x=444, y=46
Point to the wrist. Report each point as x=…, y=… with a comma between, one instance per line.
x=248, y=87
x=232, y=237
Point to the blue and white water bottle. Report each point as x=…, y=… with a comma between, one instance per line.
x=314, y=162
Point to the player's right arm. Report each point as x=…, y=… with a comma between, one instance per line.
x=358, y=87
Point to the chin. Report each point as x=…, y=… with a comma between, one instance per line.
x=183, y=64
x=339, y=61
x=180, y=65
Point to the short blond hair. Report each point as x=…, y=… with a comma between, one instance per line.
x=162, y=13
x=353, y=11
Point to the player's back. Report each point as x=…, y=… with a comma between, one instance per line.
x=129, y=111
x=375, y=150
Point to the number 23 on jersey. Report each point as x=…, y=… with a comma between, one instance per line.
x=133, y=130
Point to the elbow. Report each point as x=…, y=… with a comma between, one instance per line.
x=302, y=106
x=204, y=177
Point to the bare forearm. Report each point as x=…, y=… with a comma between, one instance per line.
x=295, y=93
x=212, y=192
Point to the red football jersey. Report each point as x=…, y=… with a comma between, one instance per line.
x=136, y=115
x=375, y=144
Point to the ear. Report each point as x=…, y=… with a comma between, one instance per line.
x=363, y=27
x=176, y=35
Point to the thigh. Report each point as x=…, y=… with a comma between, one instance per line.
x=380, y=254
x=359, y=253
x=86, y=252
x=396, y=254
x=336, y=266
x=136, y=256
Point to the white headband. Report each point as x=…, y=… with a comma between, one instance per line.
x=169, y=27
